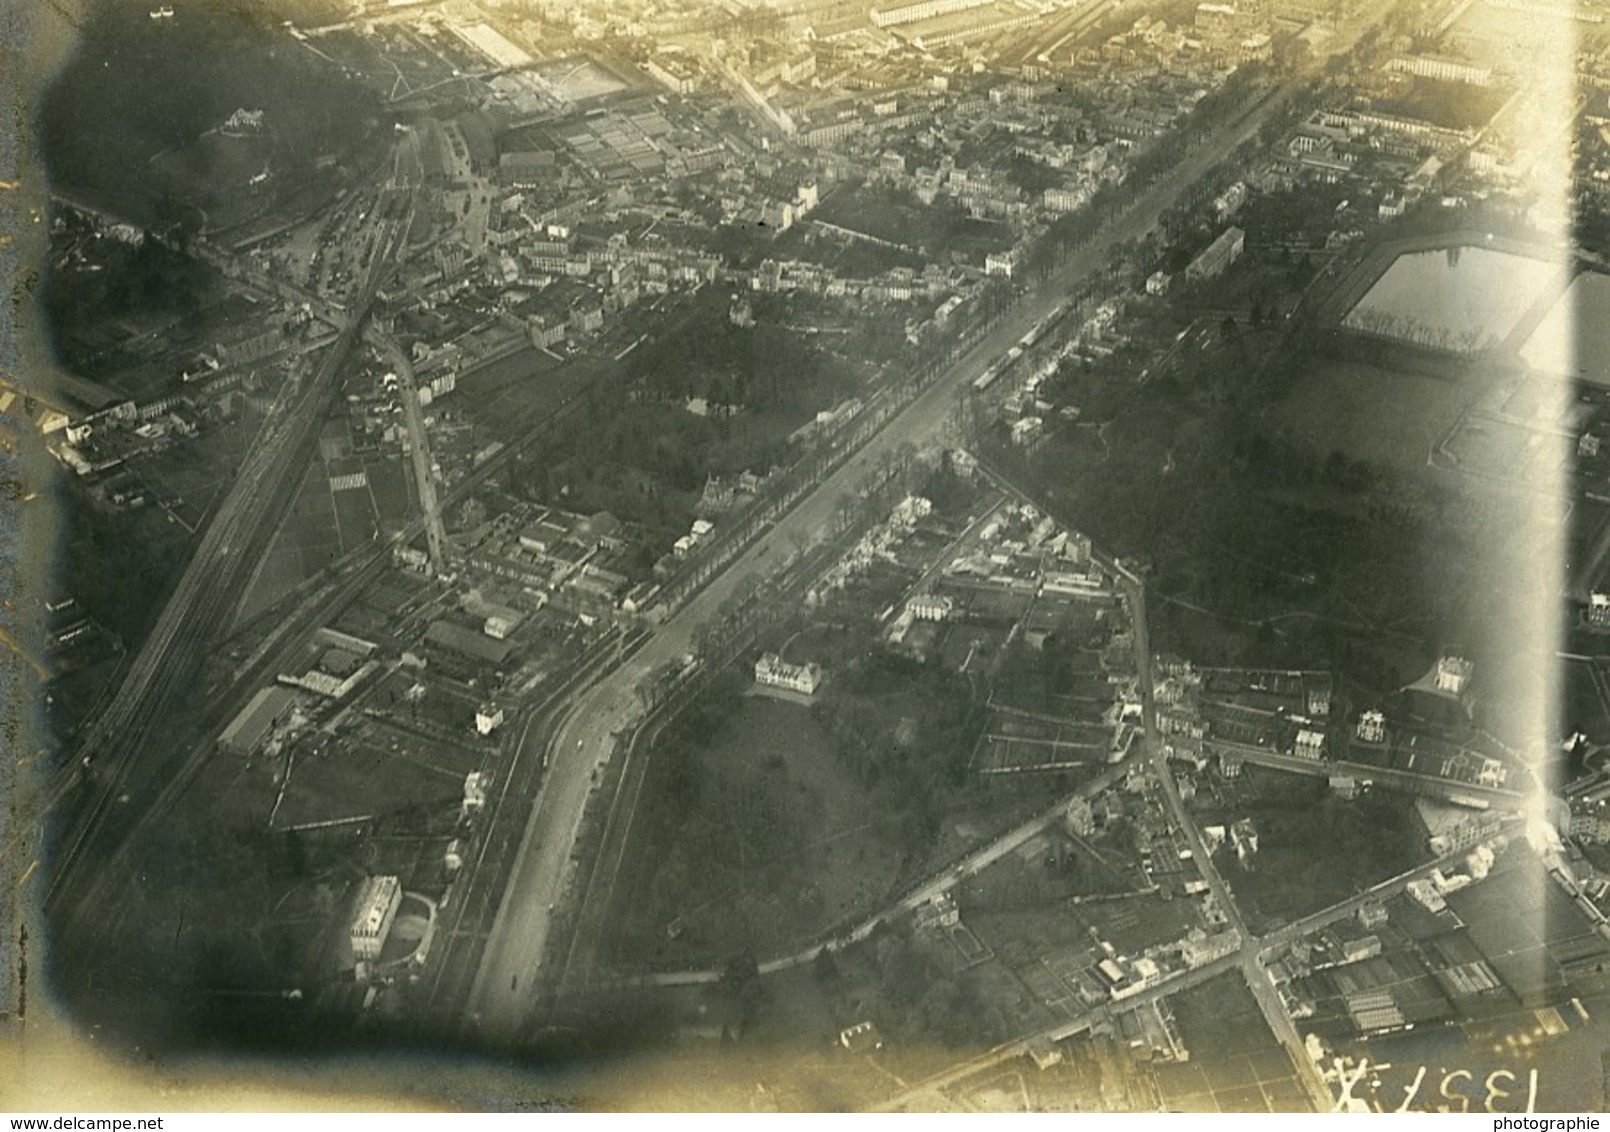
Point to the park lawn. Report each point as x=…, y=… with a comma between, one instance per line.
x=775, y=844
x=901, y=219
x=1385, y=416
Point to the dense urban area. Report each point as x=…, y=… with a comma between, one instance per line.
x=980, y=555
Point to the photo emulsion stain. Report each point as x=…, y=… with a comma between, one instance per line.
x=806, y=555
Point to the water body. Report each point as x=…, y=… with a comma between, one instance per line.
x=1462, y=299
x=1573, y=340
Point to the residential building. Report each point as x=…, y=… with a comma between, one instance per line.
x=773, y=671
x=1000, y=263
x=1229, y=202
x=1064, y=200
x=1372, y=727
x=1466, y=834
x=1317, y=695
x=940, y=912
x=1425, y=893
x=475, y=784
x=251, y=348
x=488, y=718
x=1310, y=744
x=1365, y=947
x=1027, y=430
x=1081, y=818
x=546, y=330
x=499, y=626
x=1200, y=948
x=674, y=72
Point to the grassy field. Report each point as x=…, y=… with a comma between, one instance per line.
x=771, y=843
x=360, y=775
x=507, y=395
x=1387, y=417
x=308, y=541
x=899, y=218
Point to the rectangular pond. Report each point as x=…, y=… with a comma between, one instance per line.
x=1462, y=299
x=1573, y=339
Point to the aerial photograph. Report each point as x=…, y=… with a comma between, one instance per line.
x=785, y=556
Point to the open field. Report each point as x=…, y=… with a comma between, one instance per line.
x=359, y=775
x=580, y=79
x=770, y=842
x=901, y=220
x=306, y=543
x=1389, y=417
x=1529, y=930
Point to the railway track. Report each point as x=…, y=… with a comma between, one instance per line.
x=137, y=771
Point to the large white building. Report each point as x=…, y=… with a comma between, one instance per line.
x=674, y=72
x=1599, y=609
x=377, y=903
x=1442, y=68
x=1218, y=255
x=922, y=10
x=1453, y=675
x=773, y=671
x=1000, y=263
x=930, y=607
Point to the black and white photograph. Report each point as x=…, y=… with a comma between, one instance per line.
x=805, y=556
